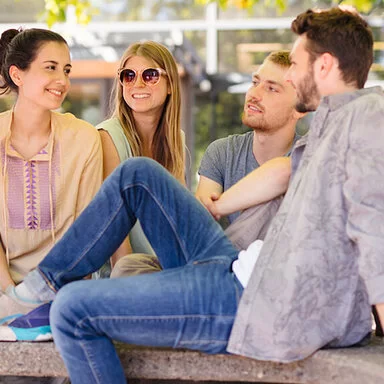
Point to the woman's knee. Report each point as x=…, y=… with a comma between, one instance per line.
x=139, y=164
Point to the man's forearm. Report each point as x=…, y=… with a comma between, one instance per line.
x=263, y=184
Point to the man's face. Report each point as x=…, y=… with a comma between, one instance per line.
x=301, y=76
x=270, y=101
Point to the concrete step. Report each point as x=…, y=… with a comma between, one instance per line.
x=348, y=365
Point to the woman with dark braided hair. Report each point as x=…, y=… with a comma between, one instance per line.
x=51, y=163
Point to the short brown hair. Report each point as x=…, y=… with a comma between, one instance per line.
x=342, y=33
x=280, y=58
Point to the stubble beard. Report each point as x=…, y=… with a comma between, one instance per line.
x=308, y=94
x=259, y=126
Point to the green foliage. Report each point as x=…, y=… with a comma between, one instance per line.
x=363, y=6
x=56, y=11
x=246, y=4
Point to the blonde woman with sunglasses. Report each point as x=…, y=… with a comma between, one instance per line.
x=145, y=122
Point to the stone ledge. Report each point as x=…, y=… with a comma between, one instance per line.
x=349, y=365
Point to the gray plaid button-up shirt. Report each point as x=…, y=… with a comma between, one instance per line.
x=322, y=263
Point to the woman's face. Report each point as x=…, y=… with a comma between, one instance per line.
x=46, y=82
x=140, y=96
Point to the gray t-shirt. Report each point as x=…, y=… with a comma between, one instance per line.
x=228, y=160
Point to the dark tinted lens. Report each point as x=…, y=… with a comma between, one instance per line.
x=151, y=76
x=127, y=76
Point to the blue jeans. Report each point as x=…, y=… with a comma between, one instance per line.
x=190, y=304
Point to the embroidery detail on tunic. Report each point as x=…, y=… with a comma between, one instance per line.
x=28, y=191
x=30, y=185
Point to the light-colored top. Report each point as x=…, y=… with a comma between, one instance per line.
x=137, y=238
x=321, y=266
x=41, y=197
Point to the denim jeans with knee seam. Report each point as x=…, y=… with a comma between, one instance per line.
x=190, y=304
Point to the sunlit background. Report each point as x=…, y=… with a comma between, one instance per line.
x=217, y=49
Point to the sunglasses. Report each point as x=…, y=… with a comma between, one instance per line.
x=149, y=76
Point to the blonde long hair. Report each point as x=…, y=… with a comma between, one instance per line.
x=167, y=146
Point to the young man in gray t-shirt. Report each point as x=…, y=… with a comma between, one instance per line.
x=269, y=110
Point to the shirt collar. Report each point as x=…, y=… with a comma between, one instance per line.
x=334, y=102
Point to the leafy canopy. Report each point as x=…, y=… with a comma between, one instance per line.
x=56, y=11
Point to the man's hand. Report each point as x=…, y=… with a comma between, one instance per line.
x=208, y=191
x=209, y=202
